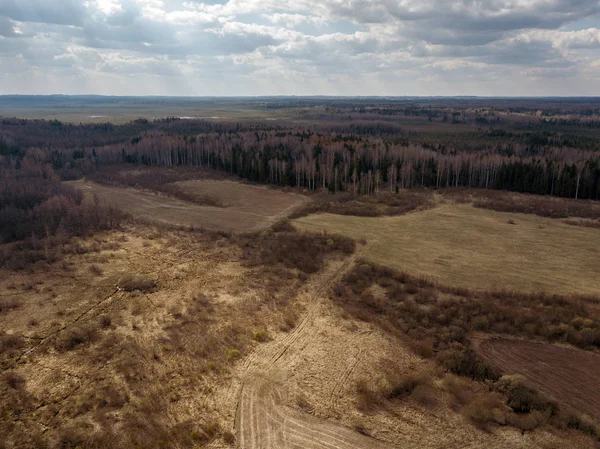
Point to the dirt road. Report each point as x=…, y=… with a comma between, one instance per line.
x=263, y=420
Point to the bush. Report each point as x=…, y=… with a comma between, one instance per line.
x=570, y=419
x=228, y=438
x=304, y=252
x=458, y=388
x=528, y=421
x=260, y=336
x=283, y=226
x=233, y=354
x=14, y=380
x=105, y=321
x=142, y=283
x=487, y=409
x=425, y=394
x=367, y=397
x=465, y=362
x=7, y=304
x=96, y=270
x=9, y=343
x=406, y=384
x=78, y=335
x=523, y=399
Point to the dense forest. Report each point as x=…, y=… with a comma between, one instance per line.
x=357, y=162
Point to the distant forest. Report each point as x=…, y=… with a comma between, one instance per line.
x=360, y=149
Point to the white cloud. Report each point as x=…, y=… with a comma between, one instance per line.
x=299, y=46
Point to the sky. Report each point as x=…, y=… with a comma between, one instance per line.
x=300, y=47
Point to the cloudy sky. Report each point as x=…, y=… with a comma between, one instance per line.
x=300, y=47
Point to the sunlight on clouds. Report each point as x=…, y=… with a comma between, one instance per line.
x=405, y=45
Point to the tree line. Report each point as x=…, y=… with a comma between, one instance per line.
x=361, y=166
x=305, y=158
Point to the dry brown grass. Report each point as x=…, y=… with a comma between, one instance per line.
x=472, y=247
x=136, y=366
x=543, y=206
x=142, y=283
x=249, y=208
x=383, y=204
x=418, y=311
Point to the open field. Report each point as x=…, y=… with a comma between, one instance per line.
x=568, y=375
x=90, y=360
x=459, y=245
x=250, y=208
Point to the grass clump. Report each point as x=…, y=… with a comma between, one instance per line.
x=233, y=354
x=260, y=336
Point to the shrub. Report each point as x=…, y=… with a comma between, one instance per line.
x=487, y=409
x=7, y=304
x=367, y=398
x=260, y=336
x=283, y=226
x=14, y=380
x=9, y=342
x=570, y=419
x=228, y=438
x=78, y=335
x=458, y=388
x=423, y=347
x=406, y=384
x=290, y=317
x=465, y=362
x=360, y=428
x=233, y=354
x=523, y=399
x=105, y=321
x=96, y=270
x=528, y=421
x=425, y=394
x=303, y=403
x=140, y=282
x=304, y=252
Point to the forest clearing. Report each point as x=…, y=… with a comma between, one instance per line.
x=464, y=246
x=254, y=209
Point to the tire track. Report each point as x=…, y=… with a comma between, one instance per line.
x=265, y=422
x=342, y=381
x=262, y=419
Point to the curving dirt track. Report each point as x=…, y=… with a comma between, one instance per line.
x=263, y=420
x=568, y=375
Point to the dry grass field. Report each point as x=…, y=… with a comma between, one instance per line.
x=249, y=208
x=152, y=338
x=566, y=374
x=459, y=245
